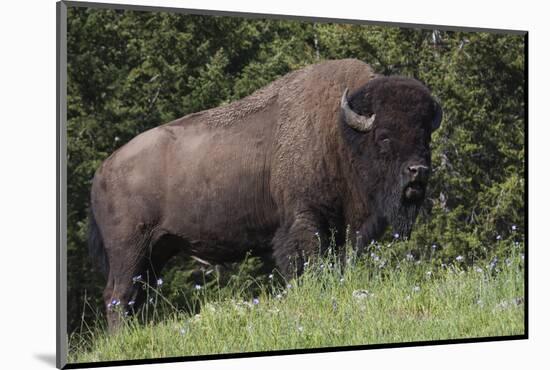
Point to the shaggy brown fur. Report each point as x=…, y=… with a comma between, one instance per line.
x=266, y=173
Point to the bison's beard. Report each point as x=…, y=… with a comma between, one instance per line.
x=401, y=213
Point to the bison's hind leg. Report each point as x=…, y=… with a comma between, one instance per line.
x=123, y=292
x=136, y=274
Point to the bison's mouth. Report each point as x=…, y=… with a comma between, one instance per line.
x=414, y=191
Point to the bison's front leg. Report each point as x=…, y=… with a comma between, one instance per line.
x=295, y=242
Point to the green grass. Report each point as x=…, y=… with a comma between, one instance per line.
x=384, y=297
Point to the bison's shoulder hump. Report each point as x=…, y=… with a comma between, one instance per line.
x=311, y=79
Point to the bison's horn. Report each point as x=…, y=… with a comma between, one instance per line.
x=436, y=122
x=356, y=121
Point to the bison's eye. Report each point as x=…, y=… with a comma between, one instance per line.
x=385, y=144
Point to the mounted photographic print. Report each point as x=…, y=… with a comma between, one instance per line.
x=237, y=185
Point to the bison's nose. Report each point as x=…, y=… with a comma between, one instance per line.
x=419, y=172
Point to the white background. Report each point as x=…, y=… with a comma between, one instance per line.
x=28, y=178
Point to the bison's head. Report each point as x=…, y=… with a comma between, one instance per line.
x=387, y=126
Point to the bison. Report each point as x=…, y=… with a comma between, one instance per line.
x=326, y=147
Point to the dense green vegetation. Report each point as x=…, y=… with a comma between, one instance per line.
x=129, y=71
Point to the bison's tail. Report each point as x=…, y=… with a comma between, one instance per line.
x=95, y=245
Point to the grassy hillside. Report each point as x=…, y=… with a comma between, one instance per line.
x=386, y=296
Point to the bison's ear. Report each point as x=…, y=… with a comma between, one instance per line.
x=354, y=120
x=438, y=116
